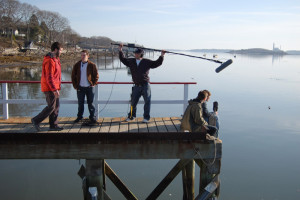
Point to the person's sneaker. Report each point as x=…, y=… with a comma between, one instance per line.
x=56, y=128
x=145, y=120
x=129, y=119
x=93, y=121
x=35, y=125
x=77, y=120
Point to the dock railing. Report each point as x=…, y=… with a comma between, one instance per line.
x=5, y=101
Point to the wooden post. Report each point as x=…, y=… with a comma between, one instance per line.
x=105, y=57
x=188, y=180
x=211, y=188
x=208, y=174
x=112, y=59
x=5, y=98
x=94, y=178
x=97, y=56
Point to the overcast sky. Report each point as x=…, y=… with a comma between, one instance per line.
x=185, y=24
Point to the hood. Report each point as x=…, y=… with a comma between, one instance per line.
x=49, y=55
x=194, y=101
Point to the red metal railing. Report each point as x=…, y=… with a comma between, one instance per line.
x=5, y=101
x=69, y=82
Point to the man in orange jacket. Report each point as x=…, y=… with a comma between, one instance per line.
x=50, y=85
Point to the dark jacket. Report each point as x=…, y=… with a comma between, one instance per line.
x=51, y=73
x=192, y=119
x=140, y=73
x=92, y=74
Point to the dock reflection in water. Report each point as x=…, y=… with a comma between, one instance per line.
x=255, y=137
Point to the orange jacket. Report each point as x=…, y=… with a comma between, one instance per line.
x=51, y=73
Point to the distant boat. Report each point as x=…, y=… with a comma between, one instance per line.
x=215, y=55
x=204, y=55
x=28, y=45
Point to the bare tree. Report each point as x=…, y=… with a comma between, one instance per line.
x=59, y=24
x=10, y=15
x=43, y=17
x=50, y=25
x=55, y=24
x=71, y=37
x=27, y=12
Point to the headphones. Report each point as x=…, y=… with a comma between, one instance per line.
x=139, y=50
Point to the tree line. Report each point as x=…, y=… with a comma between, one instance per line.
x=40, y=26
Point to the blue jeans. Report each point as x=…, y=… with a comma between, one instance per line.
x=216, y=119
x=213, y=131
x=89, y=92
x=137, y=92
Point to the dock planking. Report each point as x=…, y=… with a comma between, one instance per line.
x=112, y=138
x=160, y=125
x=104, y=125
x=152, y=126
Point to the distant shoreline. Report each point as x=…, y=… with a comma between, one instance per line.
x=36, y=58
x=256, y=51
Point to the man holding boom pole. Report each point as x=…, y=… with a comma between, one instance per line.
x=139, y=68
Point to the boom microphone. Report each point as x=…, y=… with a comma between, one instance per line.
x=224, y=65
x=182, y=54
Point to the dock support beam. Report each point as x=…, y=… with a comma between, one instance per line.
x=168, y=179
x=209, y=178
x=188, y=181
x=118, y=183
x=94, y=179
x=5, y=98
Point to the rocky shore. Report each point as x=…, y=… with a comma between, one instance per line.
x=12, y=57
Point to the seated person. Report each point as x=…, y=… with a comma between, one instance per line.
x=210, y=117
x=193, y=120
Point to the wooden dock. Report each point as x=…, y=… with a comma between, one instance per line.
x=159, y=139
x=113, y=138
x=105, y=125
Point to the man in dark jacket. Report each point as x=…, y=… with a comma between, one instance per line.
x=84, y=77
x=139, y=68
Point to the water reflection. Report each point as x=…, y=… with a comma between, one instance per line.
x=275, y=57
x=254, y=137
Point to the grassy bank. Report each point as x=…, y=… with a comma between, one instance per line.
x=37, y=57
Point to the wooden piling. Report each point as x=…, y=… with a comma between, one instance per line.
x=94, y=178
x=105, y=57
x=190, y=172
x=210, y=189
x=112, y=59
x=188, y=181
x=208, y=172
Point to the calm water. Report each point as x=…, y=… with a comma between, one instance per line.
x=260, y=145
